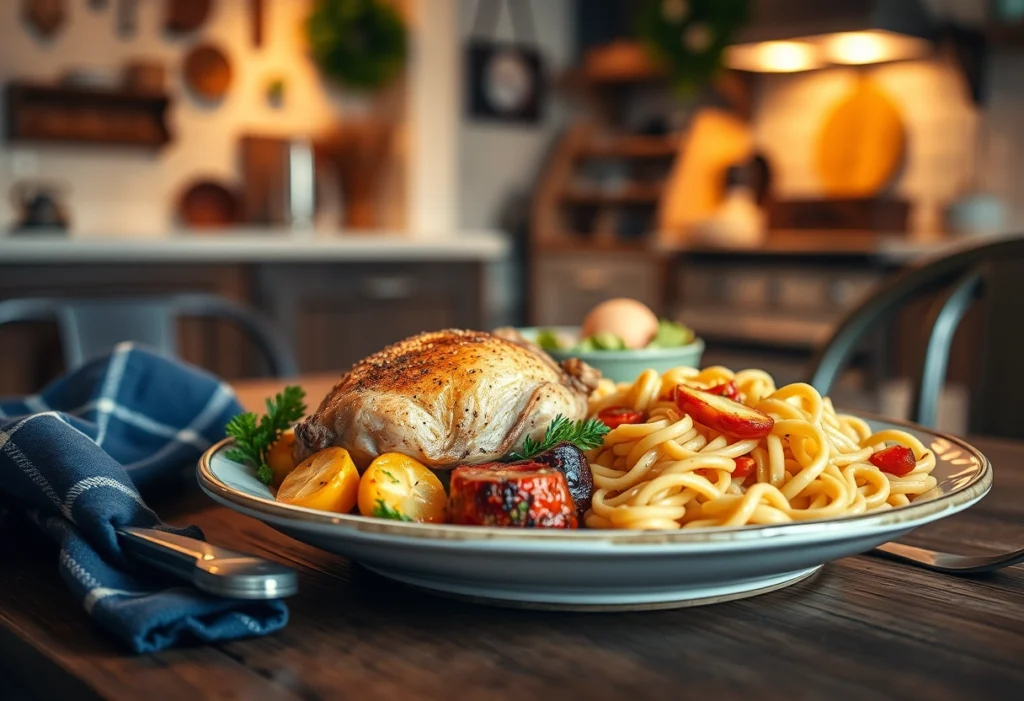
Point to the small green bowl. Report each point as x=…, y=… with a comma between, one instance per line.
x=626, y=365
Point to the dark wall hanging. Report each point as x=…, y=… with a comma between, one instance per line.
x=505, y=80
x=45, y=17
x=127, y=18
x=184, y=16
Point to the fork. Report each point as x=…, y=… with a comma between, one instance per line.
x=948, y=563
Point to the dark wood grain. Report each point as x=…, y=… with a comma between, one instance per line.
x=862, y=628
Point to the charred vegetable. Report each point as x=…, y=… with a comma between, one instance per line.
x=571, y=462
x=527, y=495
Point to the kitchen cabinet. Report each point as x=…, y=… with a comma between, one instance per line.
x=334, y=313
x=338, y=314
x=30, y=353
x=568, y=284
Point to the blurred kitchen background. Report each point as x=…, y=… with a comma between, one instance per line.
x=362, y=170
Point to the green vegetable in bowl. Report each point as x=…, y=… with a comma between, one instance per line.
x=607, y=341
x=548, y=340
x=671, y=335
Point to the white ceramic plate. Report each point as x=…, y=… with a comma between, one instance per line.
x=603, y=569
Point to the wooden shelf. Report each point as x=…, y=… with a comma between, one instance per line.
x=633, y=147
x=633, y=194
x=56, y=113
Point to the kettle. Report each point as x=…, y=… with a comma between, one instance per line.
x=39, y=205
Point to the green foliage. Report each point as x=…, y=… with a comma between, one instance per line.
x=586, y=434
x=690, y=36
x=254, y=436
x=359, y=43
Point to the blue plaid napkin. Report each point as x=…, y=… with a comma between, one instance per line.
x=71, y=457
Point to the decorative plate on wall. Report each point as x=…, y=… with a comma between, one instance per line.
x=207, y=72
x=44, y=16
x=209, y=204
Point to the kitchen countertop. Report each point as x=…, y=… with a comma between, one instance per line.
x=252, y=246
x=893, y=248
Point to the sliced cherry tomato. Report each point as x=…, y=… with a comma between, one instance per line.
x=615, y=416
x=723, y=415
x=897, y=460
x=745, y=466
x=725, y=389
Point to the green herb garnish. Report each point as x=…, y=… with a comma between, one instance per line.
x=254, y=436
x=521, y=510
x=586, y=434
x=382, y=510
x=394, y=480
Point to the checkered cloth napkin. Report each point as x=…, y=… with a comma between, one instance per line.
x=70, y=459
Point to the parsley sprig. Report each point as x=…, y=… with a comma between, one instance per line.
x=254, y=436
x=587, y=434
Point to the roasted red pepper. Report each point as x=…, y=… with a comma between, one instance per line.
x=615, y=416
x=745, y=466
x=724, y=415
x=725, y=389
x=526, y=495
x=897, y=460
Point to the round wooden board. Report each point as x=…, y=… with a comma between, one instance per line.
x=862, y=144
x=206, y=204
x=207, y=72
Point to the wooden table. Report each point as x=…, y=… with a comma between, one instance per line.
x=862, y=628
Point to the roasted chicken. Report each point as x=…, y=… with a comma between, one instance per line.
x=446, y=398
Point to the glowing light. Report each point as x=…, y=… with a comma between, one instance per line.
x=857, y=48
x=773, y=57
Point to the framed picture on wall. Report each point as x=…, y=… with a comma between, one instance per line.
x=505, y=81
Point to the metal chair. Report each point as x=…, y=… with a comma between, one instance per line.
x=992, y=270
x=94, y=326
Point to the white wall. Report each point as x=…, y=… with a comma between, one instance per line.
x=495, y=160
x=134, y=191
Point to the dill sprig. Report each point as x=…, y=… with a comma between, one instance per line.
x=586, y=434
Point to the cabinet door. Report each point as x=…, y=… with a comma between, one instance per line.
x=339, y=314
x=30, y=353
x=568, y=285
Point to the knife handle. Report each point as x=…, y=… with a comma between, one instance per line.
x=210, y=568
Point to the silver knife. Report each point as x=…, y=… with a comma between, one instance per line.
x=210, y=568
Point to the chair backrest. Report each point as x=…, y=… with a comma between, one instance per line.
x=959, y=277
x=89, y=327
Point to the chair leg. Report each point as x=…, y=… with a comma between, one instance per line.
x=944, y=319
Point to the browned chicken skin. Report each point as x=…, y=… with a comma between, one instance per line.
x=446, y=398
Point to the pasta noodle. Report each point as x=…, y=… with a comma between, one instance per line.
x=671, y=472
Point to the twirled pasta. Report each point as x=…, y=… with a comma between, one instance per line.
x=671, y=472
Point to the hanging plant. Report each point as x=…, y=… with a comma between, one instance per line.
x=690, y=36
x=358, y=43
